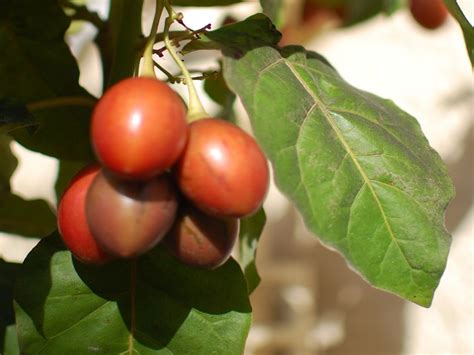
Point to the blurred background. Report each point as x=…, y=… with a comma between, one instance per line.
x=309, y=300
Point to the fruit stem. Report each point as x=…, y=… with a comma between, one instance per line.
x=148, y=68
x=196, y=110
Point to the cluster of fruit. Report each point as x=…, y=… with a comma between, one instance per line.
x=161, y=178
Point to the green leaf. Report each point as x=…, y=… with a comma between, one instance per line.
x=37, y=68
x=358, y=168
x=467, y=28
x=237, y=38
x=205, y=2
x=8, y=273
x=10, y=342
x=14, y=115
x=67, y=170
x=356, y=11
x=218, y=91
x=250, y=230
x=156, y=306
x=8, y=163
x=31, y=218
x=274, y=9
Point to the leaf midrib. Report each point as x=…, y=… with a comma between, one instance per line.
x=349, y=151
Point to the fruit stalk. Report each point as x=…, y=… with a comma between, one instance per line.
x=196, y=110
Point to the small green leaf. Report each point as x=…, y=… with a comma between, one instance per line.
x=37, y=67
x=152, y=306
x=358, y=168
x=237, y=38
x=250, y=230
x=467, y=28
x=31, y=218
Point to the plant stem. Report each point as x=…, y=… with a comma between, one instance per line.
x=82, y=101
x=148, y=66
x=196, y=110
x=125, y=36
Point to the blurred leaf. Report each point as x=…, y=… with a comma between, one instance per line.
x=154, y=306
x=356, y=11
x=8, y=163
x=204, y=2
x=237, y=38
x=67, y=170
x=10, y=342
x=8, y=272
x=467, y=28
x=37, y=67
x=274, y=10
x=31, y=218
x=14, y=115
x=218, y=91
x=358, y=168
x=250, y=231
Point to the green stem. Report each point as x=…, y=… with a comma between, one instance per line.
x=61, y=102
x=196, y=110
x=148, y=65
x=125, y=36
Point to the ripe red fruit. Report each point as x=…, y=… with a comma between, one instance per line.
x=72, y=222
x=139, y=128
x=430, y=14
x=128, y=218
x=200, y=240
x=222, y=170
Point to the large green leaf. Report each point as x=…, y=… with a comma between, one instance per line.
x=8, y=272
x=31, y=218
x=358, y=167
x=38, y=70
x=467, y=28
x=10, y=342
x=250, y=231
x=156, y=306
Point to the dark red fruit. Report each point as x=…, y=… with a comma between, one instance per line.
x=200, y=240
x=139, y=128
x=222, y=170
x=430, y=14
x=72, y=222
x=128, y=218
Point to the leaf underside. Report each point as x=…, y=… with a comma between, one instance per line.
x=156, y=306
x=358, y=168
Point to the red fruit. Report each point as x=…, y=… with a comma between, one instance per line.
x=128, y=218
x=139, y=128
x=200, y=240
x=72, y=222
x=222, y=170
x=430, y=14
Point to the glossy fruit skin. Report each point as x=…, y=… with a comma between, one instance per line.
x=222, y=171
x=200, y=240
x=72, y=222
x=430, y=14
x=139, y=128
x=128, y=218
